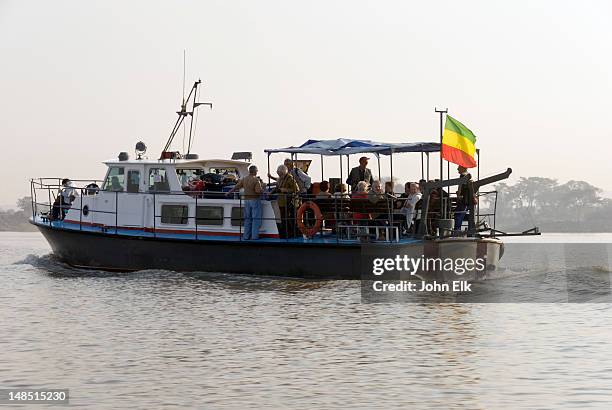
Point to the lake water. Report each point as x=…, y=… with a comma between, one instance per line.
x=161, y=339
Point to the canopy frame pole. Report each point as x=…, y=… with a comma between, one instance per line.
x=378, y=159
x=422, y=167
x=391, y=166
x=269, y=168
x=441, y=112
x=322, y=175
x=427, y=154
x=341, y=177
x=348, y=170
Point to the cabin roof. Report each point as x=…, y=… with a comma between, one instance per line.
x=180, y=163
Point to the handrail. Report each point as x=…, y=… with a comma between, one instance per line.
x=343, y=208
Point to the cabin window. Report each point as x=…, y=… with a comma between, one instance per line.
x=230, y=172
x=186, y=175
x=237, y=215
x=115, y=179
x=174, y=214
x=158, y=180
x=209, y=215
x=133, y=181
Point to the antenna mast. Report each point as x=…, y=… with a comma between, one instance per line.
x=184, y=113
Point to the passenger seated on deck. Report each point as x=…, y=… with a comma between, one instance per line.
x=421, y=185
x=389, y=188
x=323, y=190
x=341, y=191
x=408, y=209
x=376, y=193
x=361, y=192
x=375, y=196
x=341, y=200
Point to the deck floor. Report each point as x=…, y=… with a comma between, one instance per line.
x=327, y=238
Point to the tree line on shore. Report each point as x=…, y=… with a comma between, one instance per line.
x=17, y=219
x=575, y=206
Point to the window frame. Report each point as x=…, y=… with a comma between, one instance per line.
x=184, y=217
x=198, y=219
x=127, y=180
x=151, y=188
x=106, y=186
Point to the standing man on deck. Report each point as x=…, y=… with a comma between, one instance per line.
x=302, y=179
x=64, y=200
x=360, y=173
x=253, y=188
x=465, y=201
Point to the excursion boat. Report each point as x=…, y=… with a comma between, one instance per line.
x=176, y=213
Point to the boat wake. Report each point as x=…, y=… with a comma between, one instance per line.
x=51, y=265
x=601, y=269
x=47, y=263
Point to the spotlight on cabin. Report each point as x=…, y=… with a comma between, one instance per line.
x=141, y=149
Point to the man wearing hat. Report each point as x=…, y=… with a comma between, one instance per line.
x=360, y=173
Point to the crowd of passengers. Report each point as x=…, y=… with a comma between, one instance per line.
x=292, y=187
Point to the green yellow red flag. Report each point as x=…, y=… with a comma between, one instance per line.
x=458, y=143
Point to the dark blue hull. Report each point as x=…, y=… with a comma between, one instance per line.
x=107, y=251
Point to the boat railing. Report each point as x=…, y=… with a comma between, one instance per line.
x=50, y=187
x=370, y=218
x=486, y=218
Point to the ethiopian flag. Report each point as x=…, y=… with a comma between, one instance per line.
x=458, y=143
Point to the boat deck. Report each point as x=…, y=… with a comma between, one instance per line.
x=326, y=238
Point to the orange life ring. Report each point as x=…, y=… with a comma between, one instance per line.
x=309, y=232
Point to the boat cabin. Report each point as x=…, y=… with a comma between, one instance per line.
x=147, y=176
x=161, y=197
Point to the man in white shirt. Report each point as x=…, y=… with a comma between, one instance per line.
x=64, y=200
x=413, y=196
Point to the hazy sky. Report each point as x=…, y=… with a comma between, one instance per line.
x=82, y=80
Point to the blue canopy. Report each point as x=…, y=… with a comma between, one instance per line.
x=344, y=146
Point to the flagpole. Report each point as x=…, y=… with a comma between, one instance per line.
x=442, y=207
